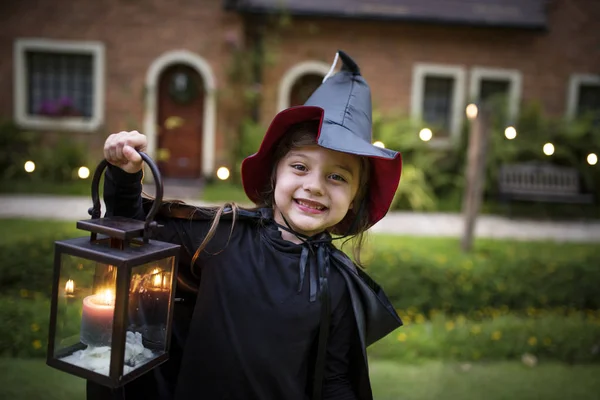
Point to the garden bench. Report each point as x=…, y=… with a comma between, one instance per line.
x=541, y=183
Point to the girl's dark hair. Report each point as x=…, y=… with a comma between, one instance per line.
x=353, y=227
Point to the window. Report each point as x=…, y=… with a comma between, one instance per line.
x=583, y=95
x=438, y=99
x=488, y=83
x=59, y=85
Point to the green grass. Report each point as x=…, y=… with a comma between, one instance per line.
x=493, y=381
x=219, y=192
x=28, y=379
x=13, y=230
x=31, y=379
x=81, y=187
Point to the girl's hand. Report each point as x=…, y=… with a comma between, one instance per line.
x=120, y=150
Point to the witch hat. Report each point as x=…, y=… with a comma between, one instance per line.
x=342, y=105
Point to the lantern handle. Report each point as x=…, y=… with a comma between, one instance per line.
x=150, y=224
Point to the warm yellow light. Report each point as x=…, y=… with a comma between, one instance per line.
x=592, y=159
x=107, y=297
x=510, y=133
x=425, y=134
x=223, y=173
x=29, y=166
x=379, y=144
x=471, y=111
x=83, y=172
x=69, y=287
x=156, y=278
x=548, y=149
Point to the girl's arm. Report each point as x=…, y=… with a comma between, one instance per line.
x=122, y=193
x=343, y=333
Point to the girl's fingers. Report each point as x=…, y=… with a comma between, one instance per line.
x=121, y=149
x=121, y=159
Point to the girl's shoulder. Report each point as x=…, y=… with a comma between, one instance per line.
x=225, y=213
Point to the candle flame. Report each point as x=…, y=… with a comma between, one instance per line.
x=107, y=297
x=69, y=287
x=156, y=278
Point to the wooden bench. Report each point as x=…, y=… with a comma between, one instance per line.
x=541, y=183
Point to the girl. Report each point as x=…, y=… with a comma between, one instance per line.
x=266, y=307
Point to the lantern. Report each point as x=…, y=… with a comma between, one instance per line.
x=112, y=296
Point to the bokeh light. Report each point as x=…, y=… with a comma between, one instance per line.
x=29, y=166
x=223, y=173
x=83, y=172
x=425, y=134
x=510, y=133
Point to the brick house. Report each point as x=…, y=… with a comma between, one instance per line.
x=186, y=72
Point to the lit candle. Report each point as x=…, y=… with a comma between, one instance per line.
x=70, y=291
x=151, y=303
x=69, y=288
x=97, y=318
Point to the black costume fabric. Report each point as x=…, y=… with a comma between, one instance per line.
x=249, y=330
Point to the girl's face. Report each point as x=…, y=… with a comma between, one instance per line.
x=314, y=189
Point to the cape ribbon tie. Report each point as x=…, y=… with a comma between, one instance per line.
x=315, y=254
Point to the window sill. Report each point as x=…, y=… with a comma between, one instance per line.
x=79, y=124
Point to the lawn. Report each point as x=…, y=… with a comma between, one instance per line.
x=25, y=379
x=394, y=374
x=490, y=381
x=74, y=188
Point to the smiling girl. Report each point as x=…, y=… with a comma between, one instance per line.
x=268, y=307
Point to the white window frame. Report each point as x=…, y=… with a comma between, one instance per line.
x=456, y=72
x=575, y=82
x=82, y=124
x=514, y=77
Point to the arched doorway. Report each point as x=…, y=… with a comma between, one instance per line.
x=303, y=88
x=180, y=122
x=298, y=83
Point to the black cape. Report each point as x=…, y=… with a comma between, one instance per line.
x=246, y=321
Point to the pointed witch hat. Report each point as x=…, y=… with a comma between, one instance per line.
x=342, y=105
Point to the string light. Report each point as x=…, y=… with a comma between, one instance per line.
x=425, y=134
x=29, y=166
x=510, y=133
x=83, y=172
x=223, y=173
x=379, y=144
x=548, y=149
x=471, y=111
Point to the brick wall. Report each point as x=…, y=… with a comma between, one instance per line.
x=137, y=32
x=134, y=33
x=386, y=52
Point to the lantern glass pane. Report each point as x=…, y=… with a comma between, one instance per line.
x=148, y=312
x=85, y=310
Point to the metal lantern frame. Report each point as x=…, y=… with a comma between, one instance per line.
x=125, y=251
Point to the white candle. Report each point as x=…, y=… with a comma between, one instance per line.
x=97, y=318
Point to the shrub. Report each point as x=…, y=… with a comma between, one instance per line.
x=14, y=150
x=55, y=162
x=552, y=335
x=496, y=274
x=439, y=171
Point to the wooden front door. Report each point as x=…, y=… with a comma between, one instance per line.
x=180, y=111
